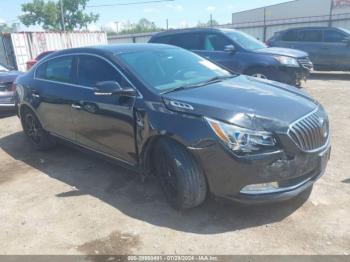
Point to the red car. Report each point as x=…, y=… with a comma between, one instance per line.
x=32, y=62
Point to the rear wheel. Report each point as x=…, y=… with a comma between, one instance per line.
x=32, y=127
x=180, y=177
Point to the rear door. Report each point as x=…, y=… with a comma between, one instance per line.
x=104, y=123
x=51, y=93
x=338, y=51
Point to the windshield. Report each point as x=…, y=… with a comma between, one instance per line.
x=168, y=69
x=345, y=30
x=3, y=68
x=245, y=40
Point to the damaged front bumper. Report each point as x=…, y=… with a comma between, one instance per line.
x=261, y=179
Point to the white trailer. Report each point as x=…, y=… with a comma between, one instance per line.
x=17, y=48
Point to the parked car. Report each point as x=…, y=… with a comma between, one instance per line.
x=328, y=47
x=166, y=111
x=32, y=62
x=241, y=53
x=7, y=89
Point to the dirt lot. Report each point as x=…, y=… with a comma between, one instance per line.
x=68, y=202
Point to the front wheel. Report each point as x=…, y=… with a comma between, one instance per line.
x=39, y=138
x=180, y=177
x=258, y=73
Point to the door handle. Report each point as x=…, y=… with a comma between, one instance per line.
x=98, y=93
x=78, y=107
x=325, y=47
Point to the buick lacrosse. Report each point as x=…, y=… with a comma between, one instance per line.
x=162, y=110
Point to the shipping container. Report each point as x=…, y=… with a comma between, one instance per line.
x=17, y=48
x=129, y=38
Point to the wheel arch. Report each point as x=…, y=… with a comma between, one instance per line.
x=25, y=106
x=255, y=67
x=148, y=150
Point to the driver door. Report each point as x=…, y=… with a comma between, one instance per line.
x=214, y=49
x=104, y=123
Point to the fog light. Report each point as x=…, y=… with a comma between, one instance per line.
x=260, y=188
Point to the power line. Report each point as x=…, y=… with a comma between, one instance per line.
x=131, y=3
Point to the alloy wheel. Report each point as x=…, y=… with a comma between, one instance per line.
x=258, y=75
x=32, y=128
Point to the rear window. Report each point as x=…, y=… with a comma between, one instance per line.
x=57, y=69
x=190, y=41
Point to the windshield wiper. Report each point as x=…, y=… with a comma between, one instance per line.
x=217, y=78
x=203, y=83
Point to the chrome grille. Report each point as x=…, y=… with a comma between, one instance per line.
x=310, y=132
x=305, y=62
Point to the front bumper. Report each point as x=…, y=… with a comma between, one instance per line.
x=7, y=108
x=228, y=175
x=291, y=75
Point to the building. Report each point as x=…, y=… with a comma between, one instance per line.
x=263, y=22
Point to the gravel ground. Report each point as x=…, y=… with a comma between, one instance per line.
x=68, y=202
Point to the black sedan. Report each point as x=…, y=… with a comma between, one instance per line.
x=166, y=111
x=7, y=89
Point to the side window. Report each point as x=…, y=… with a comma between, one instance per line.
x=290, y=36
x=310, y=35
x=58, y=69
x=162, y=39
x=41, y=71
x=215, y=42
x=92, y=69
x=190, y=41
x=333, y=36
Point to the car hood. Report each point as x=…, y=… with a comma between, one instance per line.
x=9, y=76
x=245, y=101
x=283, y=51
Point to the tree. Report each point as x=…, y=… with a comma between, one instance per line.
x=209, y=23
x=5, y=28
x=48, y=14
x=142, y=26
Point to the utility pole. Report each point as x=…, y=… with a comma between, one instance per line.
x=331, y=14
x=117, y=24
x=62, y=16
x=167, y=24
x=265, y=27
x=211, y=20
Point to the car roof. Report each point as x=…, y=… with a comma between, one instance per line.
x=112, y=49
x=311, y=27
x=193, y=30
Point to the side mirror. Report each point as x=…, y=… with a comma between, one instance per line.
x=229, y=48
x=108, y=88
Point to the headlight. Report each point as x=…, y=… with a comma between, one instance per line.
x=288, y=61
x=243, y=141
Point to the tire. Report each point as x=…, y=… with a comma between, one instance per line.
x=180, y=177
x=38, y=136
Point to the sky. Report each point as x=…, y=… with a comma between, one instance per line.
x=180, y=13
